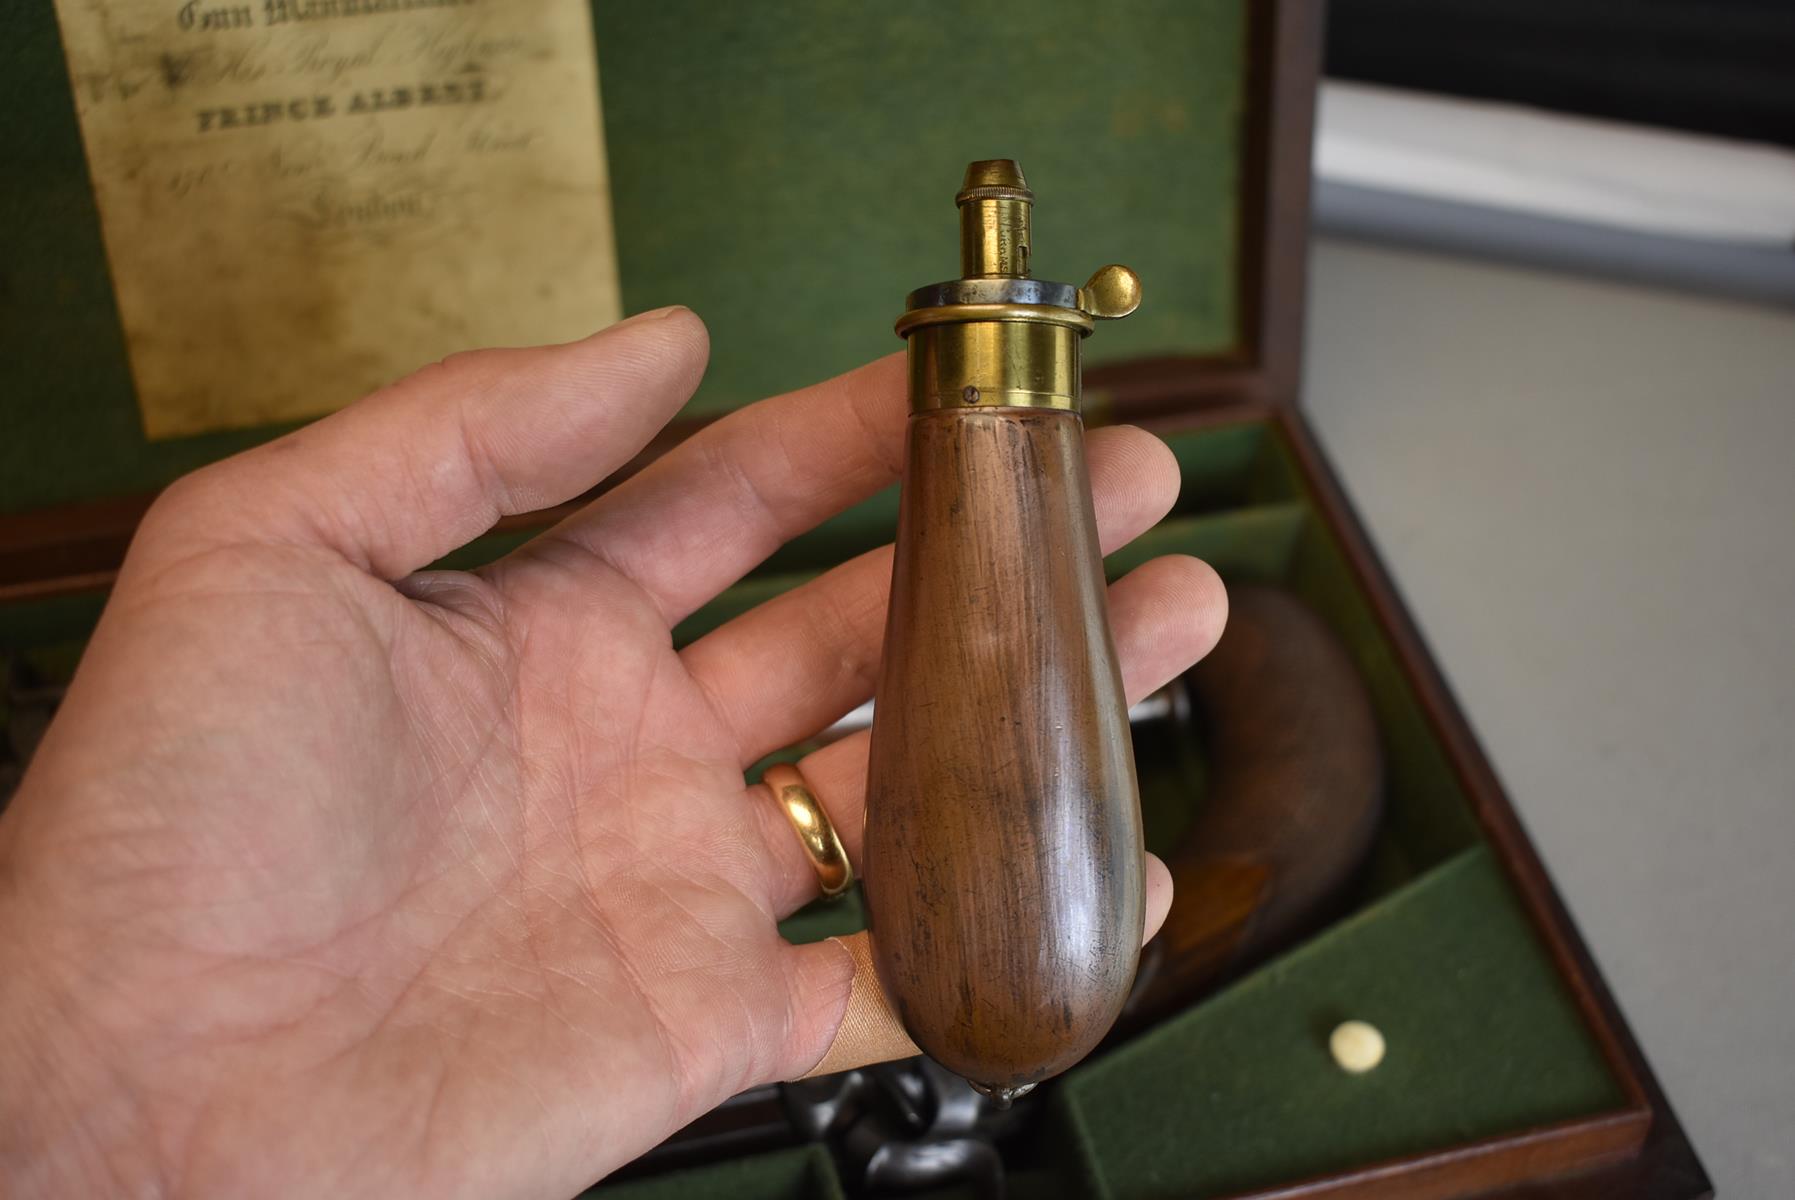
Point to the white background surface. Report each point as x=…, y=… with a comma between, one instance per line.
x=1586, y=493
x=1523, y=159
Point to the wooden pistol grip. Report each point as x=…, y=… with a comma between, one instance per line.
x=1003, y=835
x=1296, y=787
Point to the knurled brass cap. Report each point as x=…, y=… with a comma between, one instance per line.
x=994, y=179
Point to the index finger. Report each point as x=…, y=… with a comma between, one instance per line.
x=710, y=510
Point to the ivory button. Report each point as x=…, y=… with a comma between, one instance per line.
x=1357, y=1046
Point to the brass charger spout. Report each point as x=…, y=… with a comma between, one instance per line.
x=1003, y=840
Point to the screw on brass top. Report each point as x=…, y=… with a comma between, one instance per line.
x=997, y=337
x=994, y=178
x=1003, y=845
x=994, y=220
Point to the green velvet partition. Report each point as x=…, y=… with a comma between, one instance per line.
x=1241, y=1093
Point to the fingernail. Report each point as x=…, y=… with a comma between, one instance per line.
x=653, y=314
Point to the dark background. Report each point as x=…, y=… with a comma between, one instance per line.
x=1723, y=67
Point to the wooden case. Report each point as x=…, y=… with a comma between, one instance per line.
x=1260, y=501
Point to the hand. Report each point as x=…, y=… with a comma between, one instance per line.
x=333, y=877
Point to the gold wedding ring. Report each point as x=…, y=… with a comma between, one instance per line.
x=815, y=831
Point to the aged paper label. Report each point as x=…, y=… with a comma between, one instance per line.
x=305, y=199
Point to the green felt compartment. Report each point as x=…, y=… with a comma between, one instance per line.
x=787, y=169
x=825, y=919
x=1241, y=1093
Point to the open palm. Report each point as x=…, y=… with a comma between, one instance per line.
x=335, y=877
